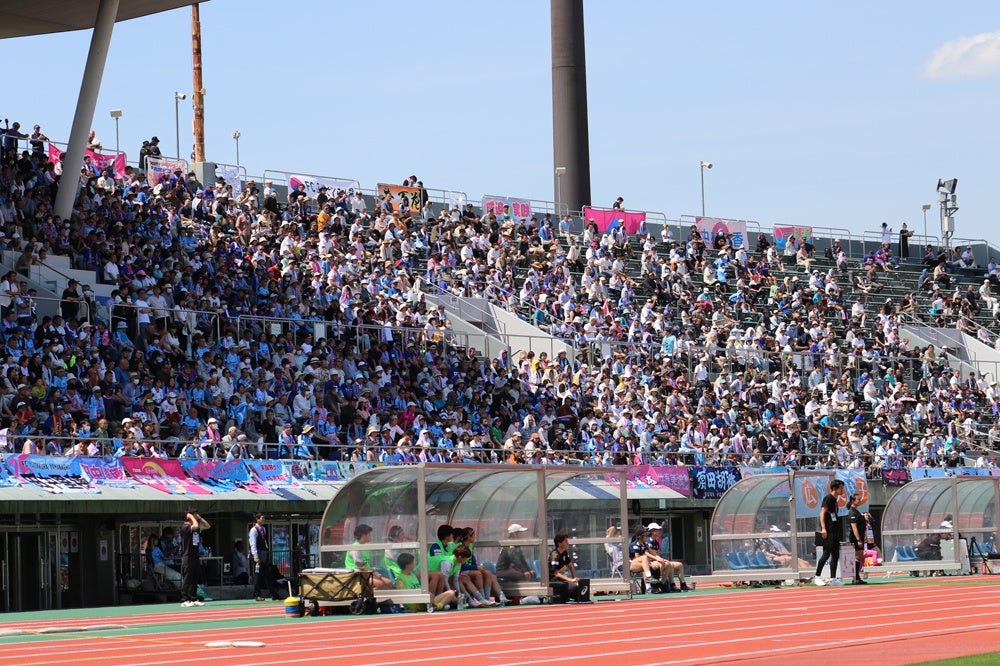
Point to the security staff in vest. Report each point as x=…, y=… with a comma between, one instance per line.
x=263, y=577
x=562, y=574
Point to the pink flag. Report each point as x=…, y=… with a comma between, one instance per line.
x=100, y=161
x=607, y=220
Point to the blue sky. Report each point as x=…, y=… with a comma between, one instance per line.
x=840, y=116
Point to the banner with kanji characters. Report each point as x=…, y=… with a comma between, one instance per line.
x=103, y=472
x=158, y=168
x=271, y=473
x=99, y=160
x=163, y=474
x=782, y=234
x=653, y=477
x=609, y=220
x=712, y=482
x=500, y=206
x=397, y=193
x=313, y=183
x=710, y=228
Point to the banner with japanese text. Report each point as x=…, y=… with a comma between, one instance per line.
x=710, y=228
x=313, y=183
x=712, y=482
x=397, y=193
x=163, y=474
x=271, y=473
x=782, y=234
x=103, y=472
x=158, y=168
x=99, y=160
x=653, y=477
x=52, y=474
x=500, y=206
x=609, y=220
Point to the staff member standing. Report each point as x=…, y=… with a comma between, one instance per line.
x=191, y=531
x=261, y=555
x=830, y=534
x=859, y=525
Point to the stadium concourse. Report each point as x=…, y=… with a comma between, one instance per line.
x=690, y=353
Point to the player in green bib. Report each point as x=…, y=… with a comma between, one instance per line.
x=407, y=579
x=362, y=559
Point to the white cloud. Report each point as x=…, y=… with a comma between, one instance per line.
x=977, y=56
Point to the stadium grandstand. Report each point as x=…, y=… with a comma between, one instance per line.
x=254, y=332
x=253, y=343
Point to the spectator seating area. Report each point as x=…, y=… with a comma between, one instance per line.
x=247, y=322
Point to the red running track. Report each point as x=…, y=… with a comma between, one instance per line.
x=884, y=624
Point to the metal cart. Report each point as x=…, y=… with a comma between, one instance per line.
x=325, y=588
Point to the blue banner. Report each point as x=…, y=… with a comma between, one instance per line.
x=712, y=482
x=271, y=473
x=941, y=472
x=54, y=474
x=219, y=475
x=101, y=472
x=323, y=470
x=6, y=480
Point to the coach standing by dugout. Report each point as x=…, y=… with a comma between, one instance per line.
x=191, y=531
x=831, y=534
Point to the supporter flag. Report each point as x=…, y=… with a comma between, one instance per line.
x=102, y=162
x=396, y=192
x=313, y=183
x=609, y=220
x=782, y=234
x=519, y=208
x=158, y=168
x=710, y=227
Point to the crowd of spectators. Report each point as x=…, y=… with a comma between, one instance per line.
x=244, y=322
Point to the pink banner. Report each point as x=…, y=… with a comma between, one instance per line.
x=519, y=208
x=101, y=162
x=608, y=220
x=164, y=474
x=651, y=477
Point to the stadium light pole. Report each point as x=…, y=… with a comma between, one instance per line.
x=925, y=208
x=236, y=138
x=704, y=165
x=116, y=114
x=178, y=96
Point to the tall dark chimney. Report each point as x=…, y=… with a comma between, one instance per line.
x=570, y=140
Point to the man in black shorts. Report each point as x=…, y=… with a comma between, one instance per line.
x=830, y=534
x=858, y=524
x=562, y=574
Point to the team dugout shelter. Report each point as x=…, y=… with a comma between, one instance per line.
x=411, y=502
x=958, y=513
x=763, y=528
